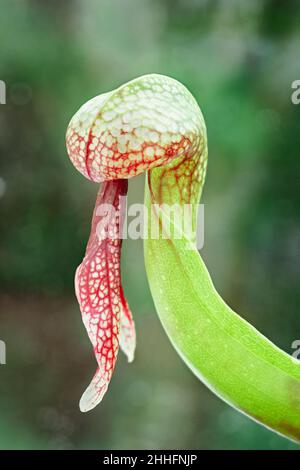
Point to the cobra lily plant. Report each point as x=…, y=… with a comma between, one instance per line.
x=153, y=124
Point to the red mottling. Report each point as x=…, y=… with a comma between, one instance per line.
x=127, y=330
x=99, y=292
x=170, y=152
x=75, y=141
x=97, y=156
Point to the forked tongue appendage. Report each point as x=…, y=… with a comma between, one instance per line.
x=105, y=312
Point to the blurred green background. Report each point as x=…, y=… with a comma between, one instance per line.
x=239, y=59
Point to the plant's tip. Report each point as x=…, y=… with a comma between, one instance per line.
x=91, y=397
x=83, y=408
x=130, y=357
x=129, y=353
x=128, y=344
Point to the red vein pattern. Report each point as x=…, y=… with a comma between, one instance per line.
x=98, y=288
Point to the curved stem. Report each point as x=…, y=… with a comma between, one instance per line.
x=228, y=354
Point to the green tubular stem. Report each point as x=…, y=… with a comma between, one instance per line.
x=229, y=355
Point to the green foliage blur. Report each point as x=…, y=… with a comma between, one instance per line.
x=238, y=58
